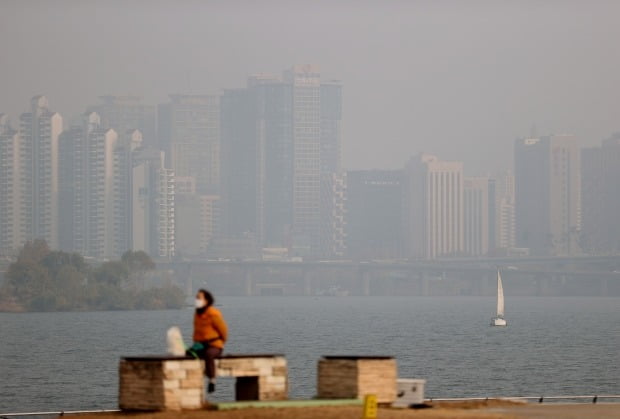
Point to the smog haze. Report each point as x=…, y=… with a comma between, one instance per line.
x=459, y=79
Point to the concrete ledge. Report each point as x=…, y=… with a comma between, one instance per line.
x=288, y=403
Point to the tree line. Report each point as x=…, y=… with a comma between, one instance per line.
x=42, y=279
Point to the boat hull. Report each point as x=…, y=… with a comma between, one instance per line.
x=498, y=321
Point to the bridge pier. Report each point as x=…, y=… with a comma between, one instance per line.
x=542, y=285
x=308, y=283
x=390, y=286
x=604, y=286
x=365, y=283
x=482, y=285
x=249, y=282
x=424, y=284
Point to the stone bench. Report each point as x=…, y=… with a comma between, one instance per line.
x=161, y=382
x=259, y=376
x=353, y=377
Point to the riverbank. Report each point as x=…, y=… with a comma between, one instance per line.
x=492, y=409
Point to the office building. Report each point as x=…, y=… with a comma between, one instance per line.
x=501, y=214
x=374, y=214
x=600, y=168
x=333, y=216
x=476, y=216
x=548, y=195
x=153, y=205
x=278, y=140
x=433, y=207
x=189, y=130
x=125, y=114
x=306, y=88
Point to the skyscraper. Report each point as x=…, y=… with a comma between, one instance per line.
x=548, y=194
x=88, y=188
x=10, y=217
x=38, y=172
x=125, y=114
x=153, y=204
x=97, y=191
x=501, y=213
x=278, y=138
x=189, y=128
x=242, y=167
x=306, y=85
x=374, y=214
x=333, y=233
x=476, y=215
x=331, y=120
x=433, y=207
x=600, y=168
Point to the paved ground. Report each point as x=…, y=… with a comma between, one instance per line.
x=564, y=411
x=481, y=410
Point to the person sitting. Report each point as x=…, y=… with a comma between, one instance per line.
x=210, y=334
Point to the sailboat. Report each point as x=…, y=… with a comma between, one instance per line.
x=499, y=319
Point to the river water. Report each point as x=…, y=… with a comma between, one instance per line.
x=552, y=346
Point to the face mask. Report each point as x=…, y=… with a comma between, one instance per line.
x=200, y=303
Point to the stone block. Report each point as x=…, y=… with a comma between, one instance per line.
x=172, y=365
x=171, y=384
x=279, y=370
x=355, y=377
x=279, y=361
x=261, y=377
x=272, y=379
x=191, y=382
x=175, y=374
x=160, y=383
x=195, y=373
x=191, y=402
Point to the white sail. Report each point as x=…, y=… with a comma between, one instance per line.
x=500, y=296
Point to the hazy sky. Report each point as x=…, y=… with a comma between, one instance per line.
x=460, y=79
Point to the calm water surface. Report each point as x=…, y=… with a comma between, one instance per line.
x=552, y=346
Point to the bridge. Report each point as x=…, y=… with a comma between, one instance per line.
x=522, y=276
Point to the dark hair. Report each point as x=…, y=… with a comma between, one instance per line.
x=208, y=297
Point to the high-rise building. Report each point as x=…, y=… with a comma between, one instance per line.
x=331, y=120
x=476, y=215
x=195, y=223
x=96, y=189
x=548, y=194
x=242, y=175
x=279, y=136
x=600, y=185
x=501, y=213
x=10, y=217
x=152, y=204
x=87, y=188
x=333, y=215
x=189, y=128
x=374, y=214
x=38, y=172
x=277, y=141
x=306, y=85
x=124, y=154
x=433, y=207
x=126, y=114
x=29, y=184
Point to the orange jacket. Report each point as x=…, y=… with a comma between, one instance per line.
x=210, y=325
